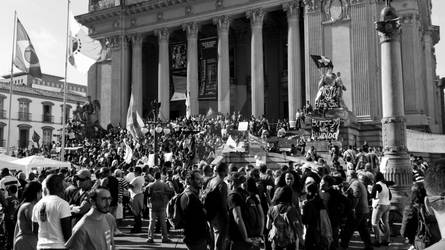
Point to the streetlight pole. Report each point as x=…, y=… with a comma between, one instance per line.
x=156, y=105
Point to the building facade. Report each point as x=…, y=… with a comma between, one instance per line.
x=37, y=105
x=253, y=56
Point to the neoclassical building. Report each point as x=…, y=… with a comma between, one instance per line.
x=253, y=56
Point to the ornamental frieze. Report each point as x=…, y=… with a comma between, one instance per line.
x=336, y=10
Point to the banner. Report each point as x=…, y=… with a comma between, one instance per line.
x=178, y=69
x=208, y=68
x=421, y=142
x=324, y=129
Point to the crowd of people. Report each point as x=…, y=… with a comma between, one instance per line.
x=315, y=205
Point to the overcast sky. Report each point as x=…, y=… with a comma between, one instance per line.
x=45, y=22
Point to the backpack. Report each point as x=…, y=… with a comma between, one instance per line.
x=174, y=211
x=282, y=232
x=427, y=231
x=212, y=201
x=252, y=217
x=325, y=230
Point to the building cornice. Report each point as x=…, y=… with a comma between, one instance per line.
x=167, y=21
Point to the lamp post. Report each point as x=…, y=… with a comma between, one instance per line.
x=157, y=130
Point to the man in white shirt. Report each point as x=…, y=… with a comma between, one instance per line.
x=51, y=216
x=137, y=199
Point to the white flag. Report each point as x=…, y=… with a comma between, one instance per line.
x=128, y=154
x=84, y=51
x=134, y=120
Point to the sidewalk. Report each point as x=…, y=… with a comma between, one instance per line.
x=137, y=241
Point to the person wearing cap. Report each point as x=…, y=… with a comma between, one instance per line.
x=6, y=180
x=80, y=202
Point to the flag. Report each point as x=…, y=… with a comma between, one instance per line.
x=25, y=55
x=210, y=113
x=35, y=137
x=322, y=61
x=134, y=120
x=83, y=50
x=128, y=154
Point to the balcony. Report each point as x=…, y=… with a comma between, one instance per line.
x=96, y=5
x=24, y=116
x=47, y=118
x=2, y=114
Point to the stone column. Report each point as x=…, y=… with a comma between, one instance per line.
x=192, y=68
x=223, y=24
x=395, y=164
x=136, y=88
x=126, y=84
x=111, y=98
x=256, y=60
x=429, y=78
x=164, y=75
x=294, y=81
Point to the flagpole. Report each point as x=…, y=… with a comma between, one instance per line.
x=62, y=149
x=11, y=81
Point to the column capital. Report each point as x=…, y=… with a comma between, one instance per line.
x=256, y=17
x=388, y=29
x=112, y=42
x=292, y=9
x=163, y=34
x=222, y=22
x=192, y=30
x=136, y=39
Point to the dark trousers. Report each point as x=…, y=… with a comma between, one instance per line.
x=358, y=223
x=9, y=228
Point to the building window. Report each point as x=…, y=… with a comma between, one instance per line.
x=47, y=113
x=23, y=136
x=2, y=107
x=47, y=135
x=24, y=114
x=2, y=136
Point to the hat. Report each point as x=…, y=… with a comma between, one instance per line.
x=84, y=174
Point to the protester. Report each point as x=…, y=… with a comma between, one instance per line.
x=196, y=230
x=434, y=200
x=158, y=193
x=217, y=214
x=238, y=232
x=359, y=195
x=137, y=199
x=96, y=229
x=381, y=204
x=25, y=239
x=283, y=221
x=80, y=202
x=10, y=212
x=51, y=216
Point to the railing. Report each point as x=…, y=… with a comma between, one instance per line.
x=2, y=114
x=48, y=118
x=24, y=116
x=102, y=4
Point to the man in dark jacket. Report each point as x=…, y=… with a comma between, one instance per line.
x=196, y=230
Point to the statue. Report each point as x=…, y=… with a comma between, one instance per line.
x=330, y=92
x=88, y=115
